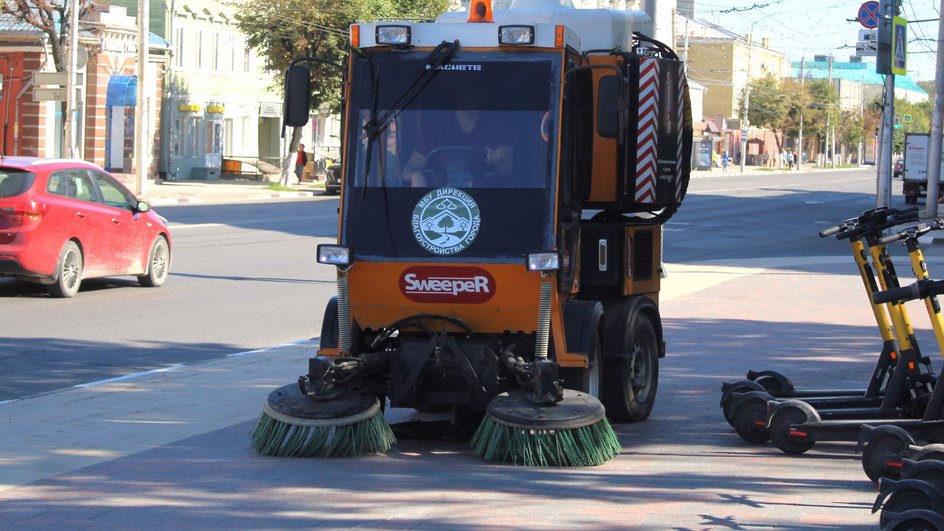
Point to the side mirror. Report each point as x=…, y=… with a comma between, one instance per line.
x=608, y=111
x=142, y=206
x=297, y=105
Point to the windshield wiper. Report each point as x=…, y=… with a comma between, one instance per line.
x=377, y=123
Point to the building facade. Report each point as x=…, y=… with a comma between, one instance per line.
x=32, y=108
x=218, y=102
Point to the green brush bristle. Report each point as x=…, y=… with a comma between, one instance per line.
x=587, y=446
x=277, y=438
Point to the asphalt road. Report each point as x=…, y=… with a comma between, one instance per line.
x=244, y=277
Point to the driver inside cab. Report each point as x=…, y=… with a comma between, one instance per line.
x=469, y=151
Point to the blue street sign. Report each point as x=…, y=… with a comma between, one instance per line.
x=868, y=14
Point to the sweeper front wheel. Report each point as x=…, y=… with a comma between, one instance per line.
x=630, y=381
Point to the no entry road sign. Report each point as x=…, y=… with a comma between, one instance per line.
x=868, y=14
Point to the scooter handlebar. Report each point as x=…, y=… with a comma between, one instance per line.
x=919, y=290
x=830, y=231
x=872, y=222
x=914, y=232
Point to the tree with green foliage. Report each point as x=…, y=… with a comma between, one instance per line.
x=920, y=121
x=821, y=113
x=284, y=30
x=768, y=106
x=53, y=19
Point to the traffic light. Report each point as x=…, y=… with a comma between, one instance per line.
x=897, y=122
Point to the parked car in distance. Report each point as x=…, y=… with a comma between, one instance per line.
x=898, y=170
x=333, y=179
x=63, y=221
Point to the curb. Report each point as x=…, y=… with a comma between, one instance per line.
x=282, y=195
x=162, y=201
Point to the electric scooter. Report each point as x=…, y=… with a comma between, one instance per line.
x=795, y=426
x=746, y=402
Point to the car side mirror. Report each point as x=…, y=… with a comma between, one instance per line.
x=142, y=206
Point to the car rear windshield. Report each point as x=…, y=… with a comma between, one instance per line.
x=14, y=182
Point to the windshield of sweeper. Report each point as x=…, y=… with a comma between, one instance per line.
x=467, y=149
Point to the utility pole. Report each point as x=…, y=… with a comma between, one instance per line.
x=799, y=155
x=830, y=128
x=747, y=100
x=887, y=10
x=934, y=157
x=69, y=148
x=141, y=145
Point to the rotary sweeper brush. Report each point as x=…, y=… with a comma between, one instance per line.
x=505, y=182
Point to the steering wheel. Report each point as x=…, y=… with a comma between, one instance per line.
x=458, y=165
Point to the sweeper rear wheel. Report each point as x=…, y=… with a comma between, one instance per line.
x=630, y=381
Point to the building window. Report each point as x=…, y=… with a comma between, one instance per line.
x=232, y=53
x=175, y=148
x=199, y=61
x=215, y=51
x=245, y=58
x=244, y=129
x=214, y=137
x=228, y=134
x=192, y=136
x=179, y=48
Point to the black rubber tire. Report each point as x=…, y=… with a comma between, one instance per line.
x=745, y=418
x=589, y=380
x=916, y=520
x=727, y=402
x=904, y=499
x=877, y=452
x=158, y=264
x=780, y=425
x=68, y=272
x=630, y=382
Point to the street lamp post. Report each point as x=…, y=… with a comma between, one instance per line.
x=747, y=91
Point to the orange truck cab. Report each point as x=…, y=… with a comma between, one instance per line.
x=505, y=178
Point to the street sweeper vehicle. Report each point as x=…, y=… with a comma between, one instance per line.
x=506, y=177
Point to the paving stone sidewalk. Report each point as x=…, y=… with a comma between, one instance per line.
x=170, y=449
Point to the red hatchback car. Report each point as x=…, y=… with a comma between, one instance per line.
x=62, y=221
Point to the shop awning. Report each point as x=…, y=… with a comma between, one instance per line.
x=122, y=91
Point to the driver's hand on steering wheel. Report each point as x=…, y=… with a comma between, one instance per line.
x=501, y=158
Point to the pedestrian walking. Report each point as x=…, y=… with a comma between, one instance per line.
x=790, y=159
x=301, y=159
x=724, y=161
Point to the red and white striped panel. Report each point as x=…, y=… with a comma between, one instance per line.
x=646, y=141
x=680, y=131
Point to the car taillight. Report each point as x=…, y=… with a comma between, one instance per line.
x=34, y=210
x=31, y=210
